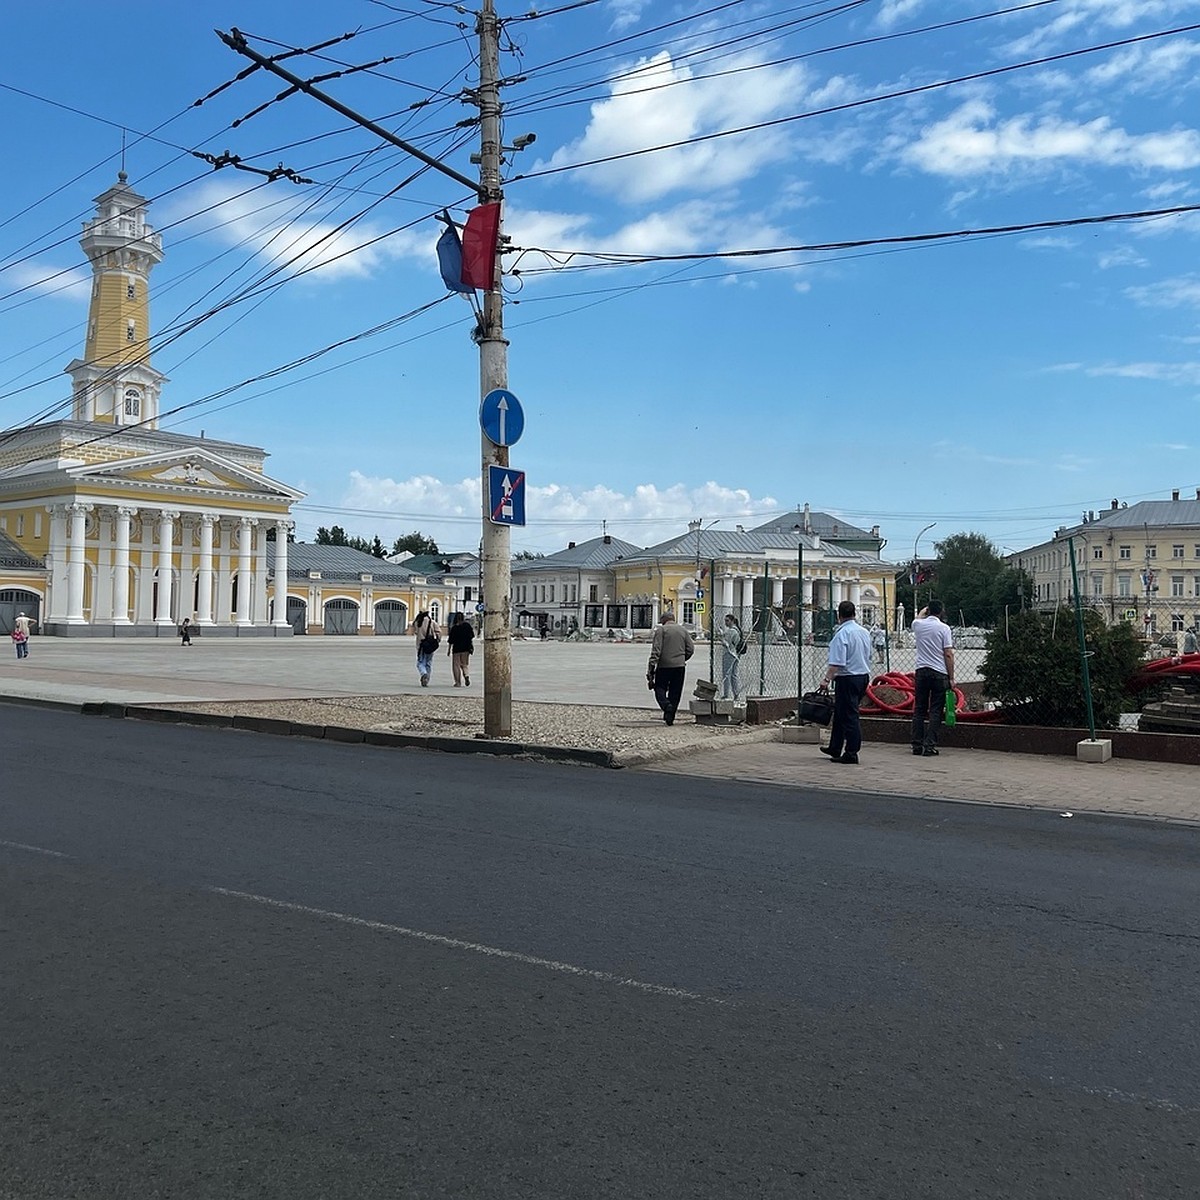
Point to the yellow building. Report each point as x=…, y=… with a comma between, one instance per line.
x=113, y=526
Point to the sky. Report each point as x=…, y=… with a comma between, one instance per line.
x=1003, y=382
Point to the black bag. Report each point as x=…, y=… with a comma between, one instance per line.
x=816, y=707
x=743, y=645
x=430, y=642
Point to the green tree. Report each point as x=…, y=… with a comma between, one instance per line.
x=1033, y=668
x=527, y=555
x=331, y=537
x=377, y=548
x=415, y=543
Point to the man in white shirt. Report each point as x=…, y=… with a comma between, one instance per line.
x=849, y=672
x=935, y=676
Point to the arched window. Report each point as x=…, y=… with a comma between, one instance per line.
x=133, y=402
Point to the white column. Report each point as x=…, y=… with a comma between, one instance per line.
x=245, y=582
x=166, y=555
x=75, y=562
x=258, y=610
x=727, y=593
x=57, y=607
x=187, y=570
x=746, y=587
x=204, y=614
x=282, y=529
x=806, y=619
x=120, y=590
x=777, y=592
x=855, y=592
x=223, y=610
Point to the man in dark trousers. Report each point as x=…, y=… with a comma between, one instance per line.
x=849, y=671
x=669, y=652
x=935, y=676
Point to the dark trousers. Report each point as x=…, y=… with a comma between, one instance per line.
x=845, y=734
x=668, y=688
x=929, y=707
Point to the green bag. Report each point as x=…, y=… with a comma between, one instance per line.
x=951, y=704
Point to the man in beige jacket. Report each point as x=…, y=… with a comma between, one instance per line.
x=669, y=652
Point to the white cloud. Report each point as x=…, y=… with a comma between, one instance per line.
x=307, y=242
x=641, y=113
x=1073, y=17
x=449, y=512
x=71, y=283
x=891, y=12
x=625, y=13
x=1178, y=374
x=1183, y=291
x=1147, y=67
x=972, y=142
x=1121, y=256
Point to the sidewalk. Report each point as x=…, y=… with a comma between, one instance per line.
x=160, y=672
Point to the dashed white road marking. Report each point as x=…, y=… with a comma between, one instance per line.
x=34, y=849
x=437, y=939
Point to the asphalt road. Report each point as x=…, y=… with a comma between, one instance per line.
x=241, y=966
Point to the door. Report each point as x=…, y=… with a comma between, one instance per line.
x=391, y=618
x=297, y=614
x=341, y=618
x=18, y=600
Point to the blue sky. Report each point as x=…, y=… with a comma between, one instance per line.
x=1002, y=383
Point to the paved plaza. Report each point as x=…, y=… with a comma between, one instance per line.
x=161, y=672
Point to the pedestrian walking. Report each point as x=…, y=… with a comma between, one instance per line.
x=428, y=640
x=935, y=676
x=733, y=646
x=462, y=645
x=669, y=651
x=185, y=632
x=1191, y=643
x=879, y=641
x=20, y=635
x=849, y=671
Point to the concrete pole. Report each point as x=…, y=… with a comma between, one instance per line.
x=493, y=373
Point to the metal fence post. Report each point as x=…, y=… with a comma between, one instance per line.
x=799, y=625
x=1083, y=654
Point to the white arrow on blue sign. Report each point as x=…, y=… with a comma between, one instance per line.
x=501, y=417
x=506, y=495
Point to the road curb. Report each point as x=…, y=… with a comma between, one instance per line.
x=349, y=736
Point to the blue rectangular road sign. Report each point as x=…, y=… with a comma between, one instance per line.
x=506, y=495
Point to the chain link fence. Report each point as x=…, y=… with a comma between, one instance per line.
x=1012, y=665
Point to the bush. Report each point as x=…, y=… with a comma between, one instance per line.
x=1033, y=669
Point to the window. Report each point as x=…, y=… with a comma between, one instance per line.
x=689, y=612
x=1126, y=551
x=1176, y=585
x=1151, y=551
x=1097, y=551
x=552, y=593
x=592, y=593
x=641, y=616
x=1196, y=548
x=20, y=524
x=618, y=615
x=133, y=402
x=1124, y=586
x=574, y=593
x=129, y=334
x=1097, y=585
x=593, y=615
x=466, y=594
x=1177, y=622
x=1176, y=551
x=131, y=290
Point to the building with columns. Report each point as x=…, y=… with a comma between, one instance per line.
x=136, y=528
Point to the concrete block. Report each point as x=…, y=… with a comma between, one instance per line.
x=805, y=735
x=726, y=707
x=701, y=708
x=1098, y=751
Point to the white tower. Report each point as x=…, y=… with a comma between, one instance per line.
x=114, y=382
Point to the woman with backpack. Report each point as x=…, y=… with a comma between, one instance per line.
x=428, y=641
x=733, y=645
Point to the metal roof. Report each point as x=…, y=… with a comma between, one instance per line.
x=821, y=523
x=11, y=555
x=338, y=562
x=596, y=554
x=708, y=544
x=1155, y=515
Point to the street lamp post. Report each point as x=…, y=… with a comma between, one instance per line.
x=916, y=562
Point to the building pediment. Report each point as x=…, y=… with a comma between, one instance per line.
x=194, y=471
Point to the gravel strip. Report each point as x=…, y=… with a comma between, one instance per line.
x=633, y=735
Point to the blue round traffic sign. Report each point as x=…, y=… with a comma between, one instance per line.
x=501, y=417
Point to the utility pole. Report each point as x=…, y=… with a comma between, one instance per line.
x=493, y=373
x=495, y=547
